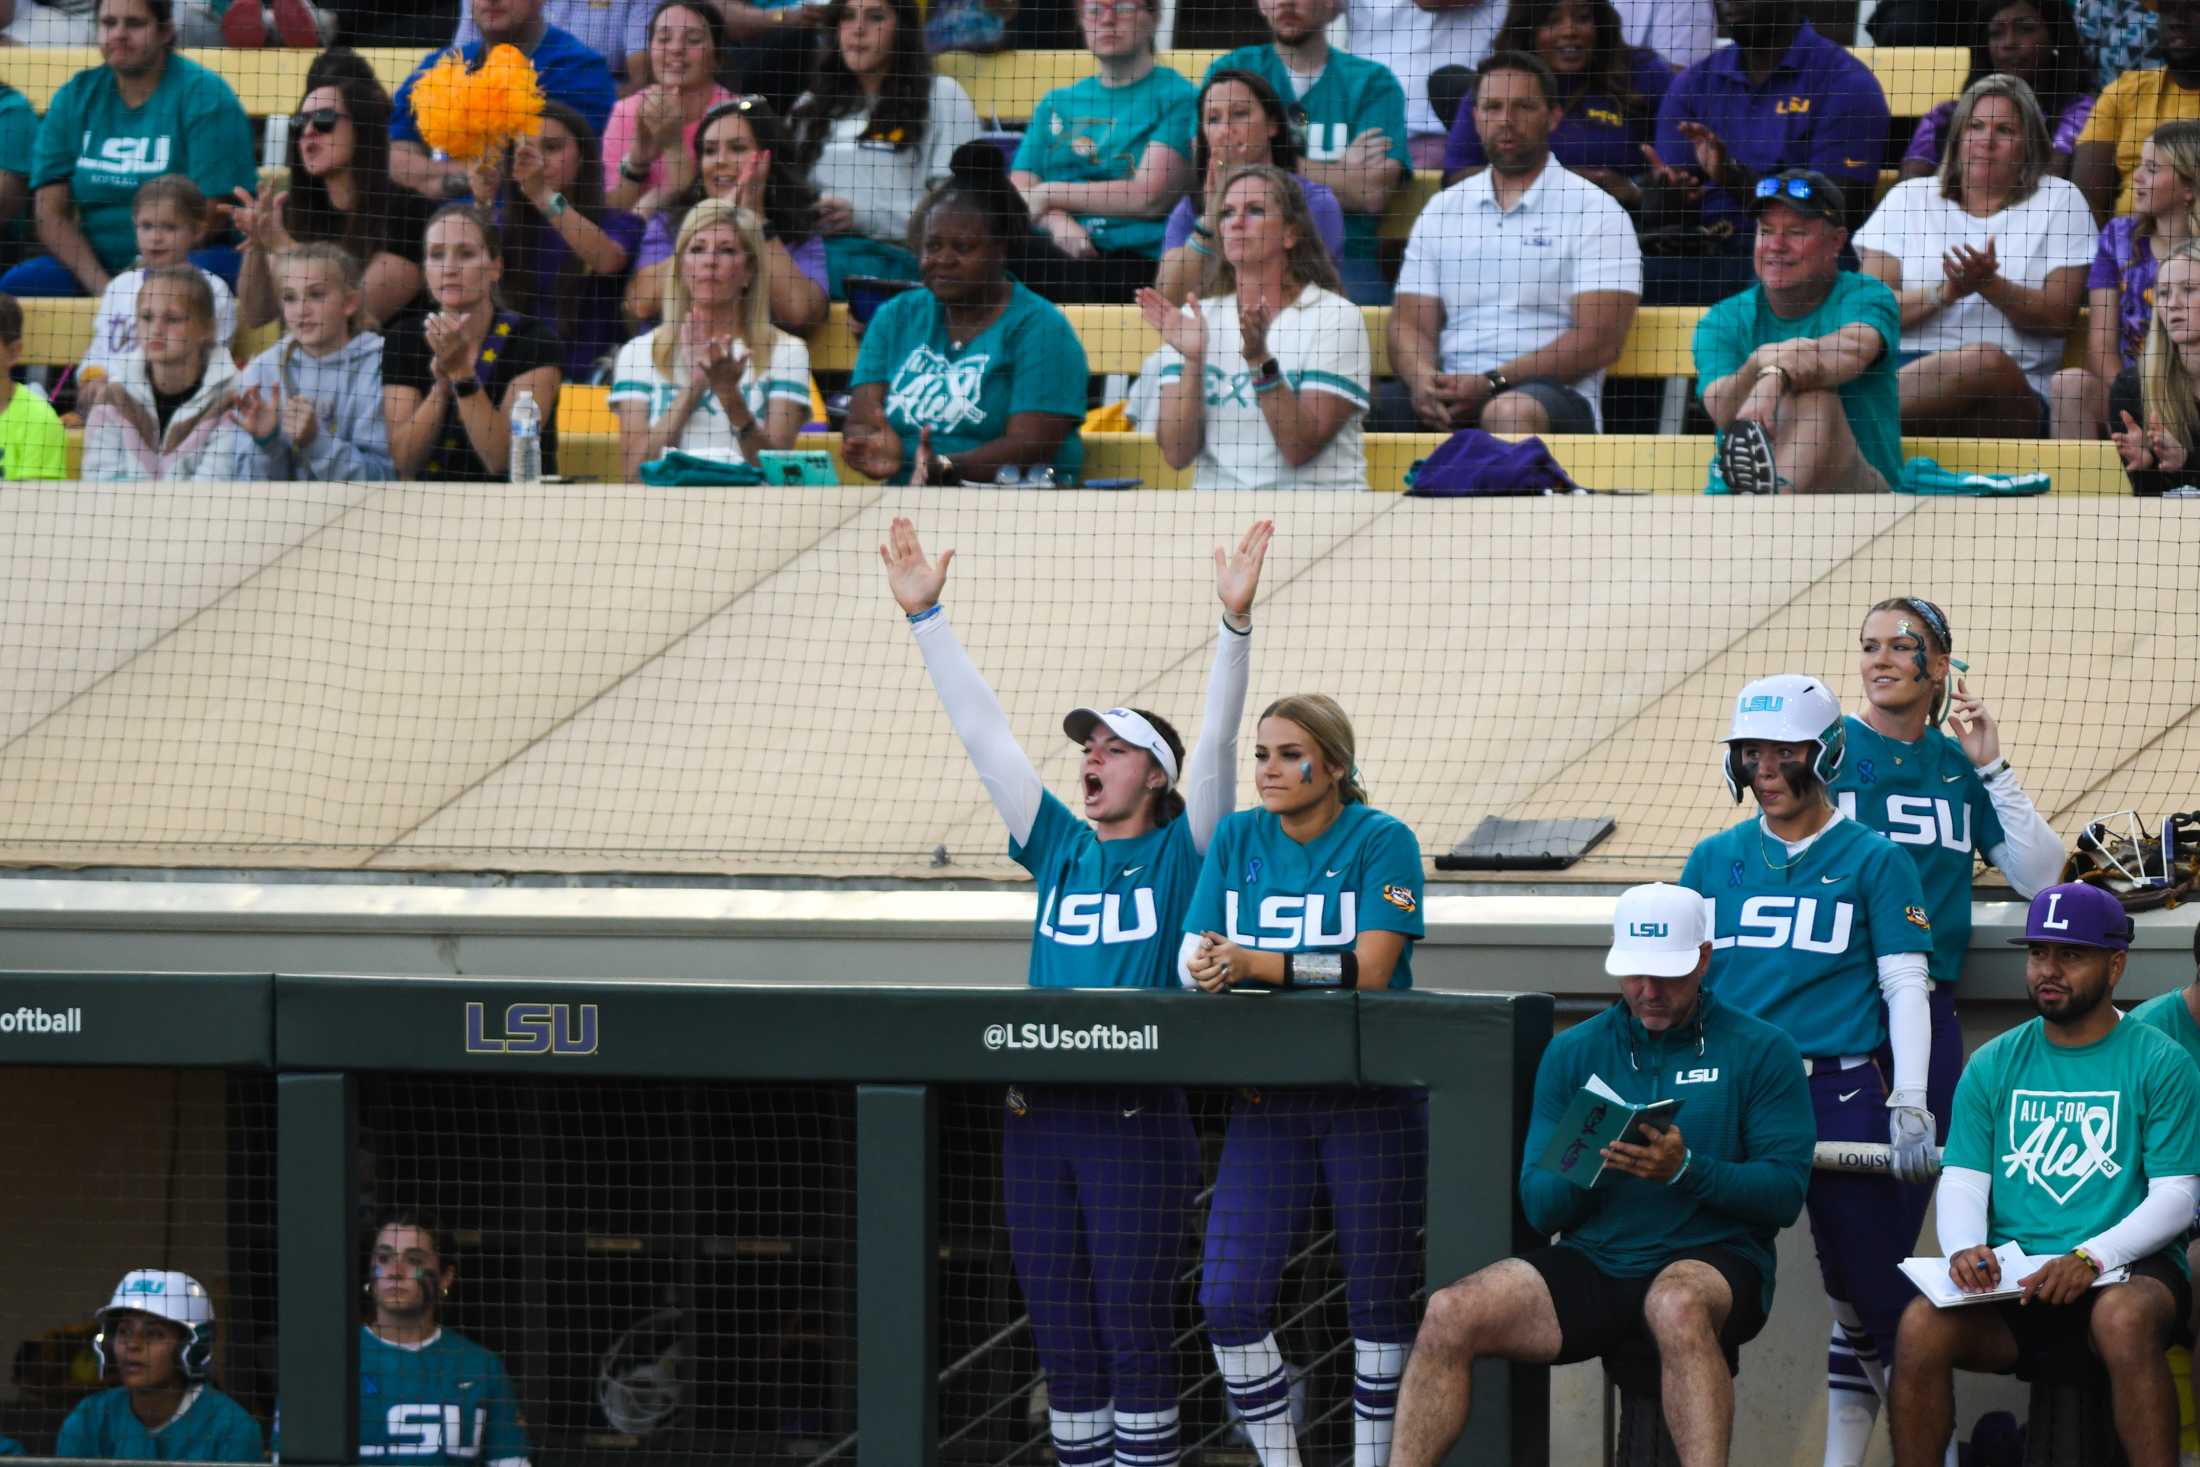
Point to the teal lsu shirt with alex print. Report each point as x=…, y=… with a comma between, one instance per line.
x=2069, y=1137
x=447, y=1401
x=1927, y=798
x=1111, y=912
x=1089, y=132
x=1262, y=889
x=1796, y=940
x=1028, y=361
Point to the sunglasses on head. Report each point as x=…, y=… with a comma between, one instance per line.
x=320, y=119
x=1794, y=188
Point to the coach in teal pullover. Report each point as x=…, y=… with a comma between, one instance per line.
x=1673, y=1245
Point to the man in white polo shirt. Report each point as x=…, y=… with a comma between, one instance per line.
x=1520, y=282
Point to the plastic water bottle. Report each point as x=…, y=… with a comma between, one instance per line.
x=526, y=464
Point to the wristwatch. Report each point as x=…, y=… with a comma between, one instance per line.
x=627, y=171
x=464, y=387
x=554, y=206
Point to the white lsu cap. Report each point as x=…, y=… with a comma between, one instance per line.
x=1126, y=724
x=1658, y=931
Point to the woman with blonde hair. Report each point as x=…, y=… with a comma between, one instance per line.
x=2157, y=408
x=2165, y=212
x=1314, y=889
x=694, y=382
x=1988, y=258
x=1290, y=376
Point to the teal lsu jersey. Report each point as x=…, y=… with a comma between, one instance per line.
x=448, y=1400
x=1110, y=911
x=1796, y=941
x=1262, y=889
x=1927, y=798
x=208, y=1427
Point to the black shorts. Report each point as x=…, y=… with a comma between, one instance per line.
x=2053, y=1340
x=1567, y=409
x=1597, y=1313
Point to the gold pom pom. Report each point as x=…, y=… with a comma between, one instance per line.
x=465, y=114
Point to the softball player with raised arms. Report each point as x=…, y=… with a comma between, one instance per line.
x=1945, y=800
x=1315, y=889
x=1097, y=1182
x=1819, y=927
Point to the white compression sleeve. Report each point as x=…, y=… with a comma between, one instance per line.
x=1960, y=1207
x=2031, y=854
x=1210, y=777
x=1003, y=767
x=1184, y=951
x=2148, y=1228
x=1902, y=981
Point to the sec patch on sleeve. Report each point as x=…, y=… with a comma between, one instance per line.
x=1400, y=897
x=1917, y=918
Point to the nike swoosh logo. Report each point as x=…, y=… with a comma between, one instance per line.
x=1331, y=874
x=1950, y=778
x=1132, y=870
x=1830, y=880
x=1134, y=1110
x=1845, y=1099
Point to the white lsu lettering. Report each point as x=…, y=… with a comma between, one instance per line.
x=1779, y=921
x=1294, y=922
x=1088, y=917
x=124, y=155
x=426, y=1430
x=1326, y=141
x=1914, y=820
x=1695, y=1077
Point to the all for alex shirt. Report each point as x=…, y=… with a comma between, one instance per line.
x=1320, y=341
x=103, y=149
x=786, y=376
x=1028, y=360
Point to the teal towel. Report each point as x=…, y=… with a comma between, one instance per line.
x=1923, y=476
x=681, y=470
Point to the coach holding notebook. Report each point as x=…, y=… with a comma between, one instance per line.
x=1674, y=1241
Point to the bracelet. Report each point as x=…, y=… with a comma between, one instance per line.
x=925, y=615
x=1201, y=250
x=1263, y=388
x=1687, y=1156
x=627, y=171
x=1235, y=631
x=1321, y=970
x=465, y=387
x=1787, y=379
x=2091, y=1261
x=269, y=441
x=1995, y=770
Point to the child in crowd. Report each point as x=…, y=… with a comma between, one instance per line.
x=170, y=214
x=161, y=414
x=310, y=406
x=33, y=444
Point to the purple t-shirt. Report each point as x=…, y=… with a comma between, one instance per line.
x=1320, y=202
x=590, y=325
x=1821, y=108
x=809, y=256
x=2124, y=262
x=1594, y=133
x=1932, y=131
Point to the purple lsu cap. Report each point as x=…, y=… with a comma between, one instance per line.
x=2077, y=915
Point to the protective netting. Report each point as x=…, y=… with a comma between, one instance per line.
x=1099, y=1243
x=719, y=681
x=144, y=1202
x=655, y=1268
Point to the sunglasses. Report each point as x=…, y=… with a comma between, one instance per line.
x=1794, y=188
x=320, y=119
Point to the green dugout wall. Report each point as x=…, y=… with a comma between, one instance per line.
x=1474, y=1053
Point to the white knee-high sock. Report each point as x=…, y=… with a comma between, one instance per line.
x=1376, y=1371
x=1855, y=1383
x=1083, y=1438
x=1260, y=1388
x=1147, y=1438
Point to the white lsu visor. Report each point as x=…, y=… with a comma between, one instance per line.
x=1126, y=725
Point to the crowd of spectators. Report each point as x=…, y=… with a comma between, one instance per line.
x=1596, y=157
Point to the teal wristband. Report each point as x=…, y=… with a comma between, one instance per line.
x=1687, y=1158
x=925, y=615
x=269, y=441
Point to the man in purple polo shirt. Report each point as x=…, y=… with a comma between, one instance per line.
x=569, y=71
x=1782, y=96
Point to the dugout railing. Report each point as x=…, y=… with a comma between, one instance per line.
x=899, y=1051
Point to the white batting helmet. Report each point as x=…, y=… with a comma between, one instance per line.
x=1786, y=709
x=170, y=1295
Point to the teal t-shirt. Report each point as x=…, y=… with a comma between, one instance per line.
x=1796, y=940
x=18, y=131
x=2168, y=1013
x=210, y=1428
x=103, y=149
x=1927, y=798
x=1028, y=361
x=1111, y=912
x=1088, y=132
x=2071, y=1137
x=1262, y=889
x=1738, y=325
x=449, y=1401
x=1352, y=95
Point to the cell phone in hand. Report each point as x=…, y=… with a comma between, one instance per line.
x=1656, y=1119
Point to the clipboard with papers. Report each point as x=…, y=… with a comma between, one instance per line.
x=1931, y=1277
